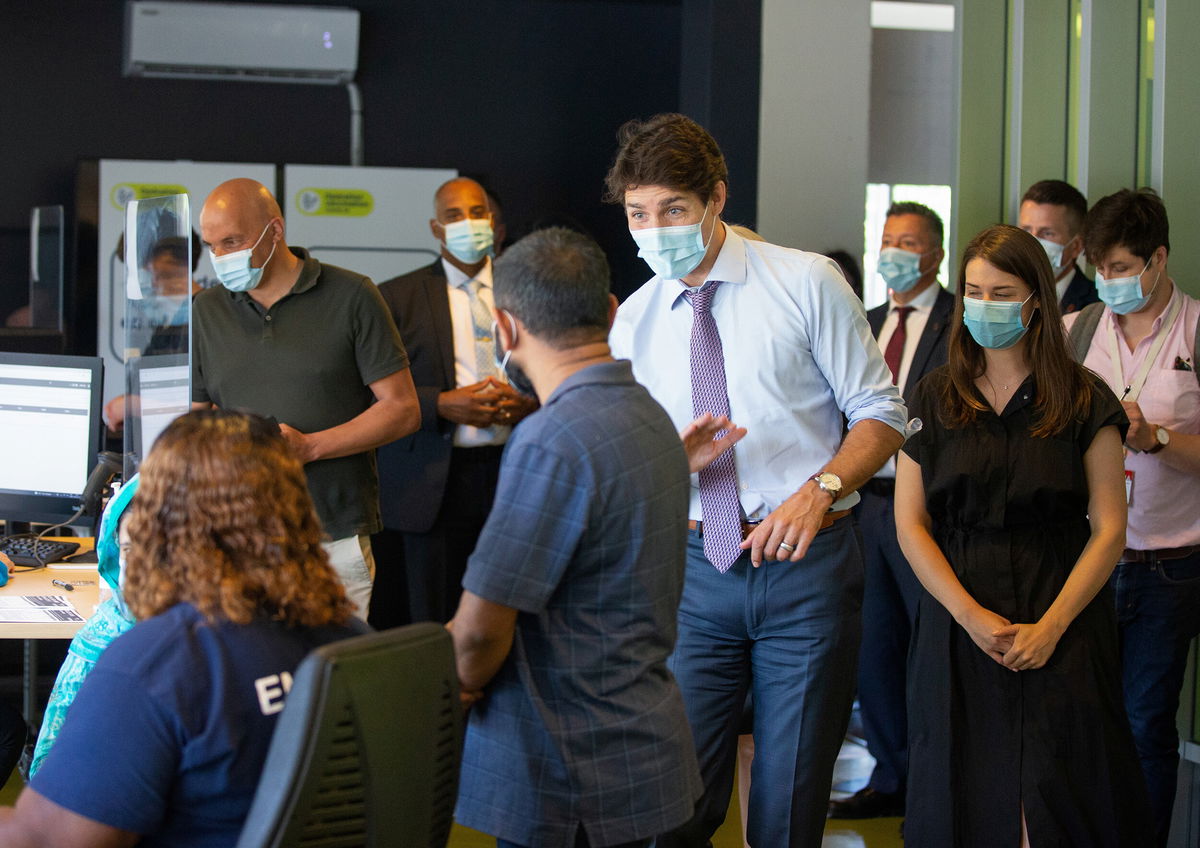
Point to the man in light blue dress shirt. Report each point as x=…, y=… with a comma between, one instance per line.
x=787, y=354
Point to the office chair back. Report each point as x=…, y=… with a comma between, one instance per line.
x=366, y=752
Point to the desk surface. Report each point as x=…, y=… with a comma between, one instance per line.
x=84, y=598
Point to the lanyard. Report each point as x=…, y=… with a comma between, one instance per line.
x=1134, y=388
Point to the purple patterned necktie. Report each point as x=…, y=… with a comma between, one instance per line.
x=719, y=500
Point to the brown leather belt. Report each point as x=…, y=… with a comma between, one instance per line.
x=1130, y=555
x=748, y=527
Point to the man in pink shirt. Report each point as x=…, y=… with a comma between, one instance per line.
x=1143, y=344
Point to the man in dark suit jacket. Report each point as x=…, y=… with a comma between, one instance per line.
x=1053, y=212
x=912, y=329
x=437, y=485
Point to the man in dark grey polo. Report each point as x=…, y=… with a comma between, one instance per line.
x=312, y=346
x=578, y=734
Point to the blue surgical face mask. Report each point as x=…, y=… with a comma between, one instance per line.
x=1123, y=295
x=900, y=268
x=470, y=239
x=1054, y=252
x=233, y=269
x=513, y=375
x=164, y=310
x=673, y=252
x=994, y=324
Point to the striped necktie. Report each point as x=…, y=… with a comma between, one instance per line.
x=481, y=321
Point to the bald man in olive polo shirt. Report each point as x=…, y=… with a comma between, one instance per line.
x=312, y=346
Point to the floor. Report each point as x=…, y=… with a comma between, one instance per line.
x=853, y=766
x=851, y=772
x=10, y=790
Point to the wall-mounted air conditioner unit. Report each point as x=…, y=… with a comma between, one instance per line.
x=241, y=41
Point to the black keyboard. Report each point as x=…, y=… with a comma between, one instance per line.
x=21, y=549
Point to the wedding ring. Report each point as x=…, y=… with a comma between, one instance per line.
x=786, y=547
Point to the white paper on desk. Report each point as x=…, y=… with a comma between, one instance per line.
x=37, y=608
x=69, y=565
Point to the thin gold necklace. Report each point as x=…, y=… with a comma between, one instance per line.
x=1004, y=386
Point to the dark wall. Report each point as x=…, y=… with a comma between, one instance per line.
x=719, y=84
x=525, y=94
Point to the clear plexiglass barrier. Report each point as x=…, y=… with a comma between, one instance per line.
x=157, y=325
x=46, y=267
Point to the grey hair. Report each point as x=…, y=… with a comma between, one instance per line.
x=556, y=281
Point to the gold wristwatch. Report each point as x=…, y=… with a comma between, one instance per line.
x=828, y=482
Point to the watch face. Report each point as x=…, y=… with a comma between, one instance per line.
x=1162, y=436
x=830, y=482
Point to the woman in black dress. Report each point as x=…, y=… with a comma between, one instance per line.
x=1010, y=506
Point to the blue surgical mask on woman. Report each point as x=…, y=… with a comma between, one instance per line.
x=673, y=252
x=470, y=239
x=994, y=324
x=1123, y=295
x=899, y=268
x=233, y=269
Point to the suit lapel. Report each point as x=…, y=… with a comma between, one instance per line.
x=443, y=331
x=876, y=317
x=931, y=337
x=1076, y=293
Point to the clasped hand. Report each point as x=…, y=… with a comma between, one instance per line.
x=1020, y=647
x=1032, y=644
x=484, y=404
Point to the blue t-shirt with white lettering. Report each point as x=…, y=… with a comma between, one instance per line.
x=168, y=734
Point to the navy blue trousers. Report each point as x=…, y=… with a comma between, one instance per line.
x=788, y=632
x=581, y=841
x=889, y=610
x=1158, y=615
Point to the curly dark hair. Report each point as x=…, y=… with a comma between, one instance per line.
x=223, y=521
x=666, y=150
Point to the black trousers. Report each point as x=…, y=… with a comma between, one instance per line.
x=12, y=740
x=889, y=613
x=419, y=575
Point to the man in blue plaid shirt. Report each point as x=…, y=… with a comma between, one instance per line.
x=577, y=734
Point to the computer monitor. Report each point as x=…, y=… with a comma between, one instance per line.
x=162, y=386
x=50, y=420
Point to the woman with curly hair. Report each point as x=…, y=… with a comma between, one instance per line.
x=231, y=588
x=1010, y=507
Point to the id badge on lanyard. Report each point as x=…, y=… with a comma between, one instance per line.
x=1133, y=389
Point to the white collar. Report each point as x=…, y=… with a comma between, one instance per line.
x=457, y=279
x=922, y=302
x=729, y=267
x=1061, y=286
